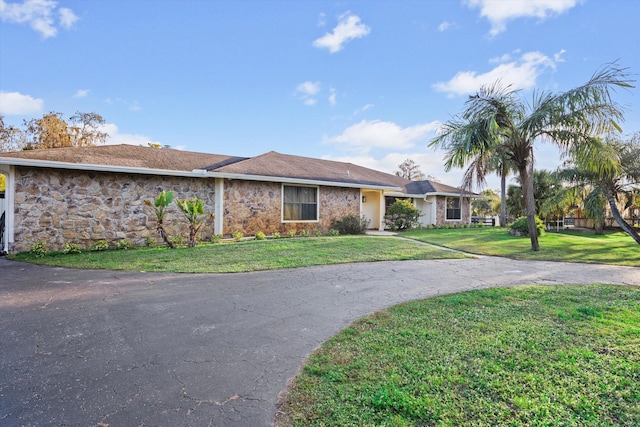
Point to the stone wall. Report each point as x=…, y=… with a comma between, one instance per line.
x=81, y=207
x=441, y=211
x=66, y=206
x=251, y=206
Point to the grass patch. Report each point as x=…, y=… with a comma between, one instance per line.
x=615, y=248
x=528, y=356
x=248, y=255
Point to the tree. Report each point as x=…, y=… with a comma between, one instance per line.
x=11, y=138
x=85, y=129
x=52, y=131
x=486, y=205
x=159, y=206
x=496, y=120
x=409, y=170
x=194, y=211
x=613, y=179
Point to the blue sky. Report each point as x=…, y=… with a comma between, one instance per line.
x=366, y=82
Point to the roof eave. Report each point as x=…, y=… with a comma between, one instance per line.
x=195, y=173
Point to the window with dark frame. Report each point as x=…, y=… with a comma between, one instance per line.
x=453, y=208
x=299, y=203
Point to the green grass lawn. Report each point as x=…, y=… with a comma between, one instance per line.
x=615, y=248
x=249, y=255
x=528, y=356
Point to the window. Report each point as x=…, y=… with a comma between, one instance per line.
x=299, y=203
x=453, y=208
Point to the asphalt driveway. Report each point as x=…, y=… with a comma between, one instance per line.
x=89, y=348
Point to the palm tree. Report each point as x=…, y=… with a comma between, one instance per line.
x=615, y=178
x=496, y=120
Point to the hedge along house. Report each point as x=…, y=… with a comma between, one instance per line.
x=85, y=194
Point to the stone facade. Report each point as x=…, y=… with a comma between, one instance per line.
x=82, y=207
x=441, y=211
x=66, y=206
x=251, y=206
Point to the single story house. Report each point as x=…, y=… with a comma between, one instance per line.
x=85, y=194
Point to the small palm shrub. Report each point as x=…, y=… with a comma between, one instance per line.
x=216, y=238
x=292, y=233
x=38, y=249
x=237, y=235
x=123, y=244
x=276, y=235
x=100, y=245
x=260, y=235
x=304, y=233
x=521, y=226
x=317, y=233
x=351, y=224
x=333, y=232
x=71, y=248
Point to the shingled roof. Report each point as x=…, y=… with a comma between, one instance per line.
x=128, y=156
x=272, y=164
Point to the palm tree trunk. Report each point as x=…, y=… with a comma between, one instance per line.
x=503, y=199
x=621, y=222
x=163, y=234
x=529, y=203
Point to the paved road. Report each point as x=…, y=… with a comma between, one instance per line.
x=81, y=348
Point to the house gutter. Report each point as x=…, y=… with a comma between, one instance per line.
x=196, y=173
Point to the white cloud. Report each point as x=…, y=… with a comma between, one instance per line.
x=521, y=73
x=307, y=91
x=38, y=14
x=369, y=134
x=67, y=17
x=15, y=103
x=445, y=25
x=131, y=105
x=115, y=137
x=332, y=97
x=322, y=19
x=499, y=12
x=349, y=27
x=81, y=93
x=363, y=109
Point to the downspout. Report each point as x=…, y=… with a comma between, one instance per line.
x=10, y=209
x=218, y=221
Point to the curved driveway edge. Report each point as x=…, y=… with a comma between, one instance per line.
x=88, y=348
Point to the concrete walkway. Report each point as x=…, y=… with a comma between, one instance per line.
x=87, y=348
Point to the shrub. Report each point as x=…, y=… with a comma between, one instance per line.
x=333, y=232
x=291, y=233
x=304, y=233
x=276, y=235
x=149, y=242
x=317, y=233
x=351, y=224
x=71, y=248
x=216, y=238
x=521, y=226
x=260, y=235
x=100, y=245
x=237, y=235
x=38, y=249
x=175, y=241
x=402, y=215
x=123, y=244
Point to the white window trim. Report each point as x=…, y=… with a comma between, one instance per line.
x=446, y=209
x=294, y=221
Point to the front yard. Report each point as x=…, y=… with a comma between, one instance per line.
x=615, y=248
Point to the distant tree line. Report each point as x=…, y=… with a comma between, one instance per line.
x=52, y=131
